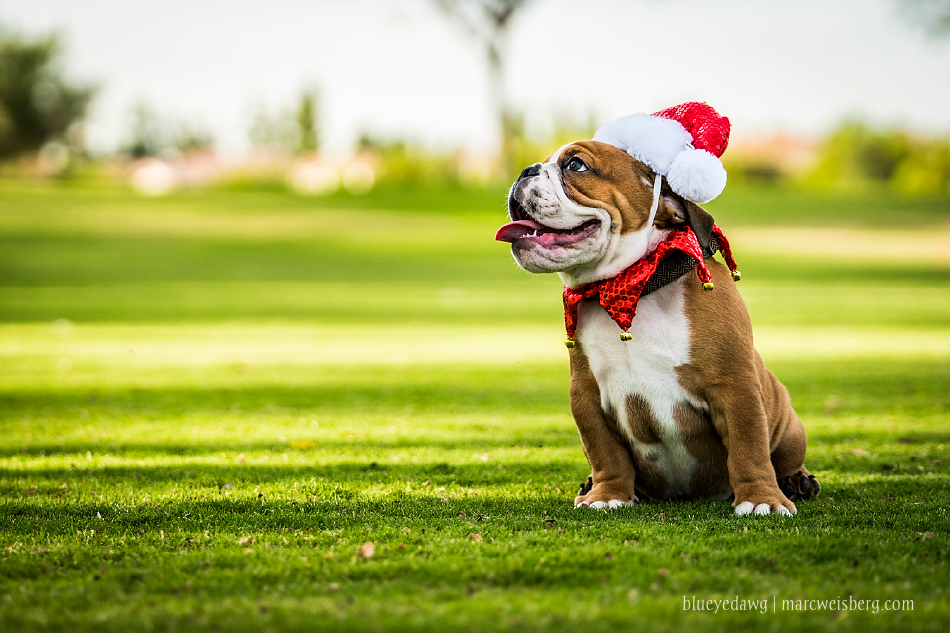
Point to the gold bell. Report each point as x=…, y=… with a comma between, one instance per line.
x=626, y=336
x=708, y=286
x=736, y=275
x=569, y=343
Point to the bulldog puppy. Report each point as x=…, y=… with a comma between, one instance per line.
x=684, y=409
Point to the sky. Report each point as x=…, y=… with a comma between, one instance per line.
x=402, y=69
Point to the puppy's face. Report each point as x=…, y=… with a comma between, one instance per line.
x=584, y=212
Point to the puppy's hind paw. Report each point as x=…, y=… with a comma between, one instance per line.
x=799, y=487
x=586, y=487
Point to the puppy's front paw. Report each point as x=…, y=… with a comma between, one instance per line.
x=608, y=505
x=747, y=507
x=761, y=502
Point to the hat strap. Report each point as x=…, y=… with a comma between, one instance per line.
x=657, y=187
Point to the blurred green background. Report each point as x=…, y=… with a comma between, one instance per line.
x=218, y=380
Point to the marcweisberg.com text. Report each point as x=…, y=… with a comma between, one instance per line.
x=765, y=605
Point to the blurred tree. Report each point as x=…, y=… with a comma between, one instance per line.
x=489, y=21
x=261, y=131
x=295, y=132
x=856, y=155
x=37, y=105
x=148, y=135
x=932, y=15
x=188, y=137
x=398, y=162
x=307, y=124
x=152, y=135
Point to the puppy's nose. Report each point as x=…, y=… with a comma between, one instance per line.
x=532, y=170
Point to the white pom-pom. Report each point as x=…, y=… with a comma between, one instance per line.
x=697, y=175
x=652, y=140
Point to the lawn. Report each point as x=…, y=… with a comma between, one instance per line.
x=210, y=403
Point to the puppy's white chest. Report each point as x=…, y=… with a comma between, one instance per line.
x=645, y=367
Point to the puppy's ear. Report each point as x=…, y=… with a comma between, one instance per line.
x=701, y=223
x=670, y=213
x=674, y=212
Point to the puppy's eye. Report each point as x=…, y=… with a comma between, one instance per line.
x=576, y=164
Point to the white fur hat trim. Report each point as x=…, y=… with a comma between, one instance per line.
x=666, y=147
x=650, y=139
x=697, y=175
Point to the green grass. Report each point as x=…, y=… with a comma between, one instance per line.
x=209, y=402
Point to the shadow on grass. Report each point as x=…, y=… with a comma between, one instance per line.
x=350, y=479
x=331, y=507
x=437, y=534
x=211, y=477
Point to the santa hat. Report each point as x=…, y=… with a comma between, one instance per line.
x=682, y=144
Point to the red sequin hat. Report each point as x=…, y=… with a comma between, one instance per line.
x=683, y=144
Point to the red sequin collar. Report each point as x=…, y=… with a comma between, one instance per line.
x=619, y=296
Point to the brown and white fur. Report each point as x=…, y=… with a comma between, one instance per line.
x=686, y=409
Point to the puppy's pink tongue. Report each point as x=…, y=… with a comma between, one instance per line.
x=516, y=230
